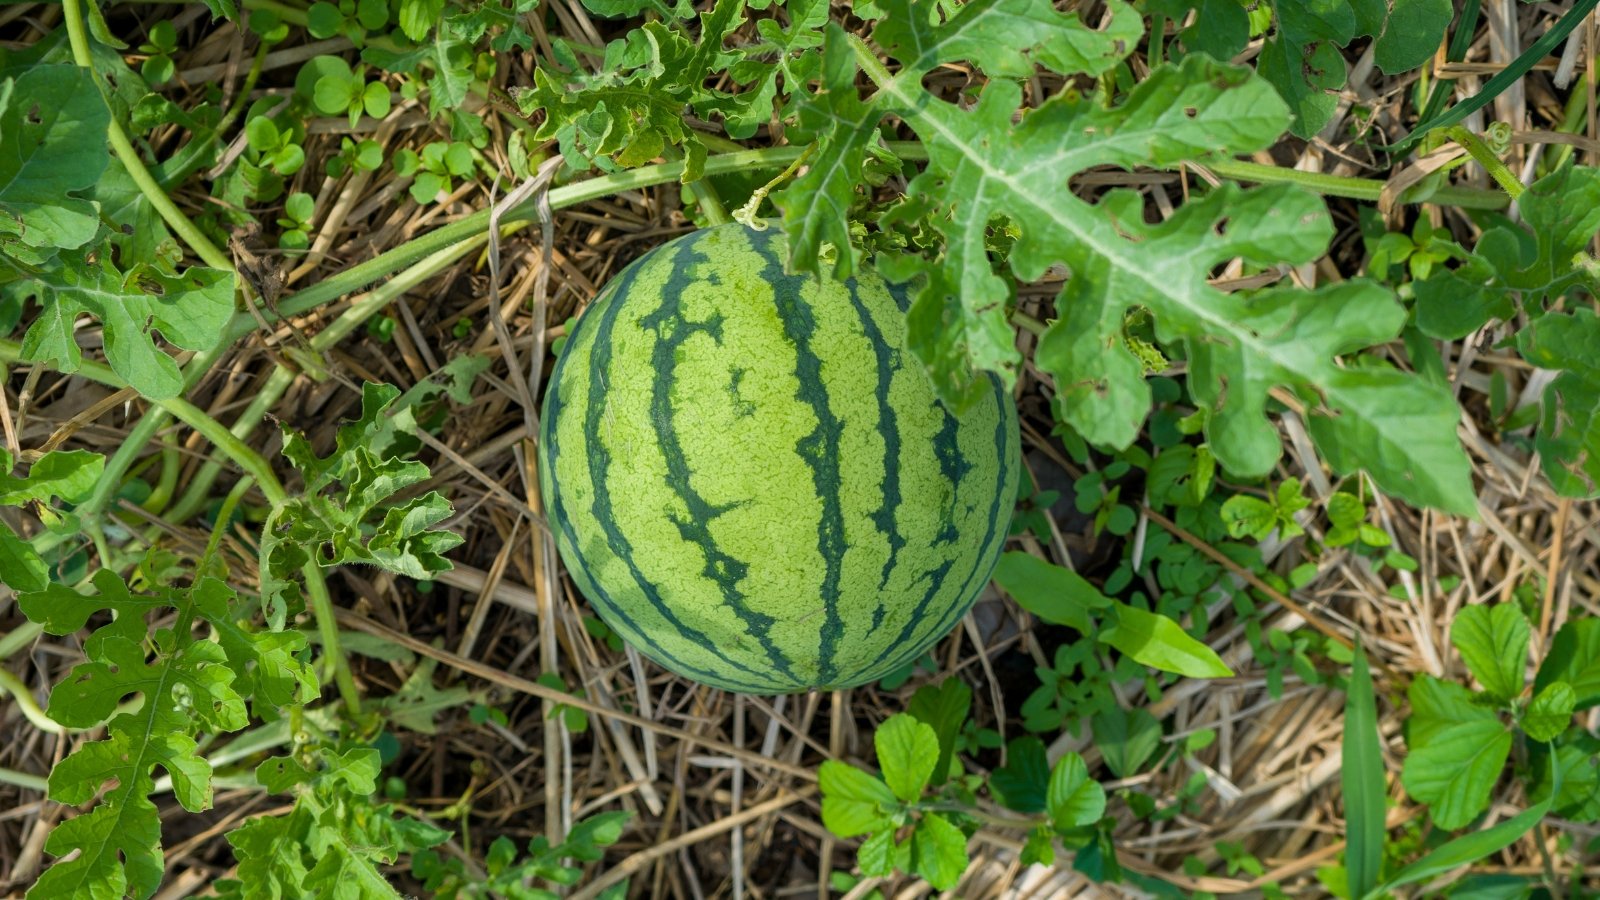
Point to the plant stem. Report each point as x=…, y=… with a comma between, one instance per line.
x=19, y=692
x=174, y=217
x=24, y=780
x=1486, y=157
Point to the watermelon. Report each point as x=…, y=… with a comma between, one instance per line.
x=751, y=478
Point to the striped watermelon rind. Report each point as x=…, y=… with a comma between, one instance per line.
x=750, y=478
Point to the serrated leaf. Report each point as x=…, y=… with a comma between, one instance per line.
x=1493, y=641
x=1550, y=712
x=876, y=855
x=907, y=752
x=1568, y=439
x=1022, y=782
x=1457, y=752
x=1005, y=38
x=189, y=310
x=944, y=709
x=187, y=687
x=1073, y=799
x=633, y=107
x=853, y=802
x=1126, y=738
x=1574, y=658
x=1154, y=640
x=67, y=474
x=53, y=120
x=938, y=851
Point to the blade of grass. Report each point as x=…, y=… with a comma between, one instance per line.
x=1362, y=781
x=1492, y=88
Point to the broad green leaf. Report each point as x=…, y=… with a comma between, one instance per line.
x=907, y=753
x=189, y=310
x=938, y=851
x=1156, y=641
x=1457, y=752
x=853, y=802
x=186, y=687
x=418, y=702
x=1126, y=738
x=1073, y=799
x=982, y=167
x=1022, y=782
x=1574, y=658
x=1005, y=38
x=944, y=709
x=1055, y=594
x=21, y=568
x=67, y=474
x=53, y=123
x=1568, y=439
x=1362, y=781
x=1550, y=712
x=876, y=855
x=1536, y=260
x=1493, y=641
x=1304, y=64
x=1576, y=768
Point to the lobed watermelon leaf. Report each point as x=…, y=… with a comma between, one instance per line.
x=345, y=514
x=186, y=686
x=986, y=168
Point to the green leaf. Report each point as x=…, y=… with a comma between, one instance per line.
x=1126, y=738
x=67, y=474
x=1055, y=594
x=21, y=568
x=187, y=687
x=1574, y=658
x=333, y=94
x=1458, y=750
x=345, y=514
x=1493, y=642
x=1006, y=38
x=189, y=309
x=1550, y=712
x=1022, y=782
x=417, y=17
x=1362, y=781
x=944, y=709
x=876, y=855
x=1073, y=799
x=853, y=802
x=53, y=120
x=938, y=851
x=907, y=753
x=633, y=108
x=1154, y=640
x=1466, y=850
x=1568, y=439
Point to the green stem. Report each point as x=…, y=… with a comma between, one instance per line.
x=1486, y=157
x=1369, y=189
x=24, y=780
x=167, y=483
x=23, y=697
x=20, y=637
x=174, y=217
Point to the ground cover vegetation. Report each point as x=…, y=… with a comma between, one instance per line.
x=1296, y=301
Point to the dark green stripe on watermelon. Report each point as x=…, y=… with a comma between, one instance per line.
x=600, y=461
x=820, y=448
x=888, y=365
x=672, y=330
